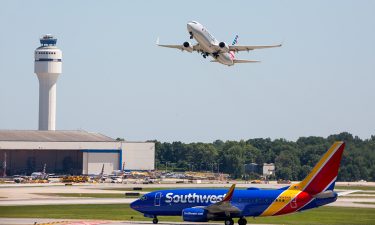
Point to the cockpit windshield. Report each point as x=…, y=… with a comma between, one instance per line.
x=143, y=198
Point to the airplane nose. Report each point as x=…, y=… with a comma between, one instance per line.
x=135, y=205
x=189, y=27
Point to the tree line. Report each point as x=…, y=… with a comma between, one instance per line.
x=293, y=159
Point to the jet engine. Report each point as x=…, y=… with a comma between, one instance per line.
x=224, y=47
x=195, y=215
x=187, y=46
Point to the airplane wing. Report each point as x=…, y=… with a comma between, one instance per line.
x=224, y=206
x=181, y=47
x=244, y=61
x=239, y=61
x=195, y=47
x=238, y=48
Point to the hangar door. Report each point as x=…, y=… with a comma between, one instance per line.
x=93, y=162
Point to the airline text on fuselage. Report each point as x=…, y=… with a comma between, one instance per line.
x=192, y=198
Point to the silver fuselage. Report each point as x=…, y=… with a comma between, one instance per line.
x=207, y=42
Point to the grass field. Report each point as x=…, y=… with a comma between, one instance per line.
x=86, y=195
x=169, y=188
x=323, y=215
x=363, y=188
x=350, y=196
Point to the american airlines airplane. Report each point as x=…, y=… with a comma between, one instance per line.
x=208, y=45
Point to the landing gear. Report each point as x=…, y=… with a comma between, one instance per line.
x=242, y=221
x=191, y=35
x=229, y=221
x=204, y=54
x=155, y=220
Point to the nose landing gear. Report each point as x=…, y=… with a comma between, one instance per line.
x=229, y=221
x=191, y=35
x=155, y=220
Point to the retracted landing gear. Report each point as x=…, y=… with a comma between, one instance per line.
x=229, y=221
x=204, y=54
x=215, y=54
x=242, y=221
x=155, y=220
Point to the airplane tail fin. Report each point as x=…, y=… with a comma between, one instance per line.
x=235, y=40
x=323, y=175
x=232, y=53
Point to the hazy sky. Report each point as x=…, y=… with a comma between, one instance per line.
x=117, y=82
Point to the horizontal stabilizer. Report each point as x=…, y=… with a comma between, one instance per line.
x=244, y=61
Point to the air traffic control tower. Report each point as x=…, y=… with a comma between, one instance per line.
x=48, y=68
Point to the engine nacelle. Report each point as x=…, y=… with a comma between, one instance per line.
x=195, y=215
x=187, y=46
x=224, y=47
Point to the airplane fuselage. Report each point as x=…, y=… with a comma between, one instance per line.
x=251, y=203
x=207, y=42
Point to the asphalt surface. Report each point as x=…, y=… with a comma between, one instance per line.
x=28, y=221
x=35, y=194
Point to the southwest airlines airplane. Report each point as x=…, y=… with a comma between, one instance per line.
x=202, y=205
x=209, y=45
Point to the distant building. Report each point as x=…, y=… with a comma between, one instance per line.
x=268, y=169
x=71, y=152
x=252, y=168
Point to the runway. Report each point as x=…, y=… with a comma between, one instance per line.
x=42, y=194
x=28, y=221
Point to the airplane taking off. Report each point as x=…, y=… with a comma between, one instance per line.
x=208, y=45
x=202, y=205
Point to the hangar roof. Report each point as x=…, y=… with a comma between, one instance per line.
x=53, y=136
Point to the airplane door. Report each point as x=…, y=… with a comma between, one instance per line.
x=157, y=199
x=293, y=203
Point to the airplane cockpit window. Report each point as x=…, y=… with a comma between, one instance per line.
x=144, y=198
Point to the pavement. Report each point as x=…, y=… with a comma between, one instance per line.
x=29, y=221
x=35, y=194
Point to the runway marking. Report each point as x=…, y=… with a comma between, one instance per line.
x=97, y=222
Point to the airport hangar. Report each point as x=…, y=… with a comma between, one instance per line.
x=71, y=152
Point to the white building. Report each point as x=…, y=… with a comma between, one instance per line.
x=72, y=152
x=268, y=169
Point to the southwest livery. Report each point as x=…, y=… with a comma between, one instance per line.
x=202, y=205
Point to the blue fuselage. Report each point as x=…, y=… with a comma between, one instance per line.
x=172, y=202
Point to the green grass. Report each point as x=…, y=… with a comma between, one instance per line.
x=350, y=196
x=171, y=188
x=359, y=187
x=323, y=215
x=367, y=193
x=86, y=195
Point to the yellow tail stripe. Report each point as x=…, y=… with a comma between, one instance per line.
x=295, y=189
x=282, y=200
x=302, y=185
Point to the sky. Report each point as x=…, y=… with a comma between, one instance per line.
x=117, y=82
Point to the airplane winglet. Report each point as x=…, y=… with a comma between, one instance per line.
x=229, y=195
x=157, y=41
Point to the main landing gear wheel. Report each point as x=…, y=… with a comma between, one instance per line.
x=191, y=35
x=228, y=222
x=242, y=221
x=155, y=220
